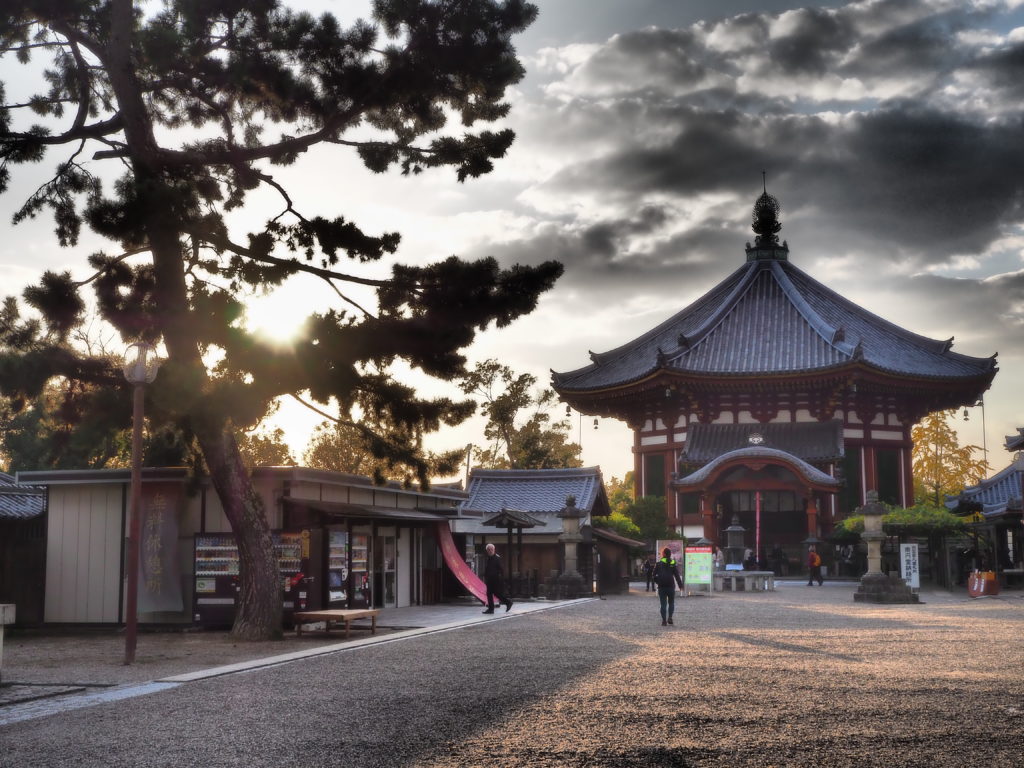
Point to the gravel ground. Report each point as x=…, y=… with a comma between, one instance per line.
x=799, y=677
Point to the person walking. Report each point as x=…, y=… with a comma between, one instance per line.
x=813, y=568
x=494, y=581
x=666, y=576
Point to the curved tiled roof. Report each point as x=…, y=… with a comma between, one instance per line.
x=771, y=318
x=809, y=473
x=20, y=502
x=533, y=490
x=995, y=494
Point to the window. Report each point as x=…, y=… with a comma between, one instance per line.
x=654, y=474
x=888, y=468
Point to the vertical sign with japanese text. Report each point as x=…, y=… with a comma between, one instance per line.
x=910, y=570
x=159, y=571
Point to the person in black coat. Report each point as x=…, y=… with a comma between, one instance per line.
x=666, y=576
x=494, y=581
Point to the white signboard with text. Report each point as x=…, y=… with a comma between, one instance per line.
x=910, y=569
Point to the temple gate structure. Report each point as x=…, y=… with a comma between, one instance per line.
x=774, y=400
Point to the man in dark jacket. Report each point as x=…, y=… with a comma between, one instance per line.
x=666, y=576
x=494, y=581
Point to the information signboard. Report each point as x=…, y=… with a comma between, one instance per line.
x=699, y=567
x=910, y=570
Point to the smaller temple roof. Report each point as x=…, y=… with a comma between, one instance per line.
x=809, y=473
x=20, y=502
x=995, y=495
x=540, y=493
x=534, y=490
x=810, y=441
x=1015, y=442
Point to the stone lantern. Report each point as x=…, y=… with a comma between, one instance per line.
x=734, y=545
x=875, y=586
x=569, y=584
x=570, y=536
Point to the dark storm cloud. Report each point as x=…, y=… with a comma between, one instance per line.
x=813, y=44
x=922, y=49
x=923, y=178
x=1003, y=69
x=595, y=259
x=659, y=54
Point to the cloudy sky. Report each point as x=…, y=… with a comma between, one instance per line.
x=891, y=131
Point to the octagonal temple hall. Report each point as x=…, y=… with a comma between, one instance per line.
x=773, y=399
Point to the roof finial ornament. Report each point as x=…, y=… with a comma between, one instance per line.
x=765, y=218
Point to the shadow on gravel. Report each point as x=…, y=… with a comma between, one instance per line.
x=760, y=642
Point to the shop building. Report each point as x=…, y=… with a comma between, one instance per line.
x=341, y=542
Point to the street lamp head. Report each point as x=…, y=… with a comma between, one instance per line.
x=140, y=363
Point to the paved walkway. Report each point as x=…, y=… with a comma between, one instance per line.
x=23, y=700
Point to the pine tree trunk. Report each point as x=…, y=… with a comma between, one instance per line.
x=258, y=610
x=258, y=614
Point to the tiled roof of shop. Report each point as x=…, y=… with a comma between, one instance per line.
x=20, y=502
x=535, y=490
x=810, y=441
x=771, y=318
x=995, y=494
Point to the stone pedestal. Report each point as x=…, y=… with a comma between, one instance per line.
x=879, y=588
x=566, y=587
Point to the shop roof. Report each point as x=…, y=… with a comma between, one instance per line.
x=344, y=510
x=810, y=441
x=20, y=502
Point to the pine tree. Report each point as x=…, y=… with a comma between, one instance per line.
x=194, y=106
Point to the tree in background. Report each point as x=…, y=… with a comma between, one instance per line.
x=194, y=105
x=620, y=492
x=519, y=429
x=264, y=448
x=648, y=514
x=941, y=465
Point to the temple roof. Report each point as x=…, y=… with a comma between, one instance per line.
x=771, y=318
x=810, y=441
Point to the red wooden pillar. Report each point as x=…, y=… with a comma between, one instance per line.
x=707, y=517
x=812, y=516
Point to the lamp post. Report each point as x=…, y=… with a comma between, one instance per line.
x=140, y=367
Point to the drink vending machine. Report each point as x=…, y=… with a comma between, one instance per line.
x=216, y=575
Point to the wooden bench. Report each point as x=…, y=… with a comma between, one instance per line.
x=336, y=615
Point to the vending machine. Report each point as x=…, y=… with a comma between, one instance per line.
x=216, y=575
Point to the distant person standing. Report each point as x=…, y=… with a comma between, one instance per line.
x=813, y=568
x=666, y=576
x=648, y=570
x=494, y=580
